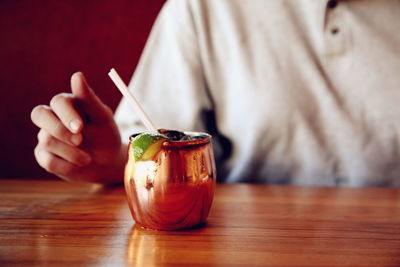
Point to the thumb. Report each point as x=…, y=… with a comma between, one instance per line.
x=87, y=100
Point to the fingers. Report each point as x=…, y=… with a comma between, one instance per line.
x=63, y=107
x=64, y=151
x=43, y=117
x=89, y=102
x=54, y=164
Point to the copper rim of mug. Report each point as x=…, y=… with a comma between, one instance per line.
x=184, y=143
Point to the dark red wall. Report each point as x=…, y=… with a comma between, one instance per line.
x=43, y=42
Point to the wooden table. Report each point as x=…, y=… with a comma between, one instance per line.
x=58, y=223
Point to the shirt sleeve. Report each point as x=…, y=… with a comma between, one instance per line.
x=169, y=82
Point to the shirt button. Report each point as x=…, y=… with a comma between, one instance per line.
x=335, y=30
x=332, y=4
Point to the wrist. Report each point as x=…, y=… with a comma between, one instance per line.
x=116, y=172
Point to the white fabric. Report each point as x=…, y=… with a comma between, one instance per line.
x=307, y=94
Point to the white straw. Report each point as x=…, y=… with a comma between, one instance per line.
x=125, y=92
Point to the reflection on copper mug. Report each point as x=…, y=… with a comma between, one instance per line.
x=175, y=189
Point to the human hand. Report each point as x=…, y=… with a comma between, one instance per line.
x=78, y=139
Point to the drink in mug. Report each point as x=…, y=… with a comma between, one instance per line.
x=170, y=179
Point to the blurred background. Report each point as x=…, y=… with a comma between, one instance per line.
x=42, y=43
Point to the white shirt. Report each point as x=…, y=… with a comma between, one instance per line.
x=306, y=93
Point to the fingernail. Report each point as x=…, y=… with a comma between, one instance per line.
x=74, y=126
x=76, y=139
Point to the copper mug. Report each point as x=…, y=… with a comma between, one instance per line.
x=176, y=188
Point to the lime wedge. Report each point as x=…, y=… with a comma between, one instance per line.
x=147, y=145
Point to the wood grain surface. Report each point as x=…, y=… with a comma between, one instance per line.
x=55, y=223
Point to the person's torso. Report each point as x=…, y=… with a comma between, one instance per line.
x=308, y=94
